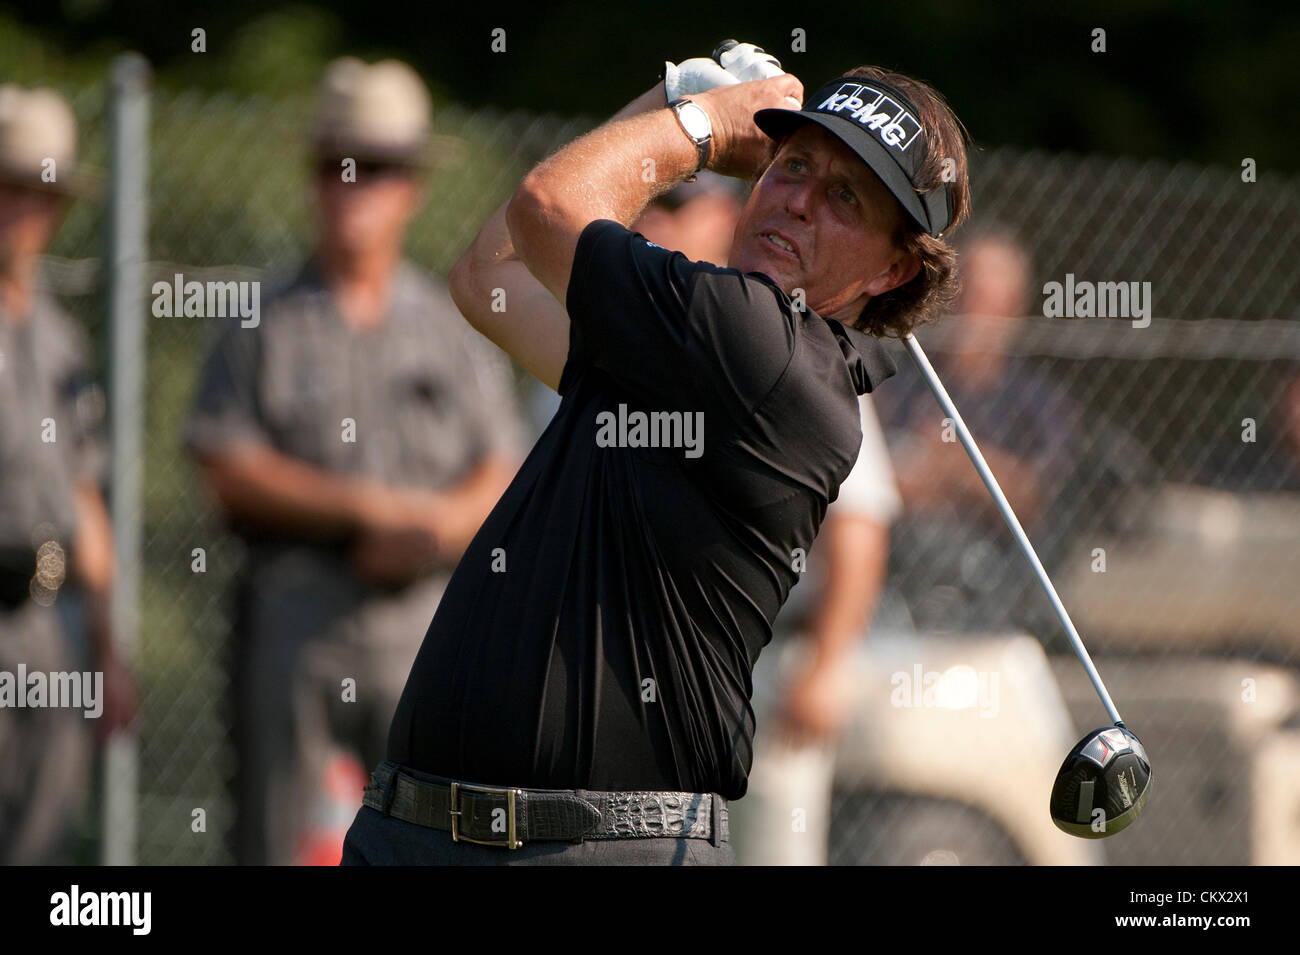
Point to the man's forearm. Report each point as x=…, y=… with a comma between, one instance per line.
x=611, y=173
x=267, y=489
x=505, y=302
x=617, y=168
x=493, y=246
x=651, y=99
x=92, y=556
x=857, y=551
x=464, y=507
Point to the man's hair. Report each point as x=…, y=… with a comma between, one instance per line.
x=934, y=289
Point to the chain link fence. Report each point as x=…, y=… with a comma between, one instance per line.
x=1194, y=511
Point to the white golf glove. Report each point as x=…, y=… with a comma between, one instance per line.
x=747, y=62
x=694, y=76
x=735, y=63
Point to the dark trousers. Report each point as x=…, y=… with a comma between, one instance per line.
x=45, y=752
x=376, y=839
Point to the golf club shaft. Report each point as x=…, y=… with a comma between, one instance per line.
x=1000, y=499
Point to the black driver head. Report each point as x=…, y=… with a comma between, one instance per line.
x=1103, y=784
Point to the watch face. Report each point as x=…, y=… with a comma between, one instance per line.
x=695, y=121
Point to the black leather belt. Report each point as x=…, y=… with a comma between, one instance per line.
x=499, y=816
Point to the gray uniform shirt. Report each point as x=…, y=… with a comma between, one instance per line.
x=418, y=401
x=51, y=412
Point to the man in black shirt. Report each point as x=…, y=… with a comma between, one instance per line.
x=598, y=637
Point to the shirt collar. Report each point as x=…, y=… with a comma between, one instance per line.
x=311, y=275
x=868, y=362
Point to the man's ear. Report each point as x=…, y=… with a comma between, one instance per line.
x=900, y=272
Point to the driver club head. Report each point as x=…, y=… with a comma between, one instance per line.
x=1103, y=784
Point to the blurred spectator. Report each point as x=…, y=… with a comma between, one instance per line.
x=356, y=437
x=53, y=521
x=958, y=553
x=826, y=615
x=697, y=218
x=1289, y=421
x=1272, y=461
x=813, y=663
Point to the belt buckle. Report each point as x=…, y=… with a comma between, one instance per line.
x=510, y=841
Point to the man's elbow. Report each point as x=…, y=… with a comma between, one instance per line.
x=464, y=281
x=528, y=214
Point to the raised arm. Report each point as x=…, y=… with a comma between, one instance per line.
x=602, y=175
x=514, y=296
x=499, y=296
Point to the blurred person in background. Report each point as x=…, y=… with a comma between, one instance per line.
x=1289, y=421
x=355, y=438
x=821, y=630
x=1272, y=462
x=696, y=218
x=825, y=619
x=56, y=542
x=955, y=558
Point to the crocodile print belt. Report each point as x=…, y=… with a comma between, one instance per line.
x=498, y=816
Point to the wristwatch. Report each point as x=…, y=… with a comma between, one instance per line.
x=695, y=123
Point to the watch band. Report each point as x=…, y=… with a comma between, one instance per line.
x=703, y=144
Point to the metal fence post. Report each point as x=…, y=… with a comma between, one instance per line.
x=126, y=256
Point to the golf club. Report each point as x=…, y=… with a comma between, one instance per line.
x=1107, y=772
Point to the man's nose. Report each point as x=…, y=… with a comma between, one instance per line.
x=798, y=200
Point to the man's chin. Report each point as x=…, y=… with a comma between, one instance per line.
x=782, y=273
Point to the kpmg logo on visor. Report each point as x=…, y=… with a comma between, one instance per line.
x=876, y=111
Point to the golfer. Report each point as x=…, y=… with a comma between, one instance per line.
x=582, y=694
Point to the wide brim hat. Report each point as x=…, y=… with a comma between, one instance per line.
x=38, y=143
x=379, y=112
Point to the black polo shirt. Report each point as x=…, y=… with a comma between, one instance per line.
x=601, y=629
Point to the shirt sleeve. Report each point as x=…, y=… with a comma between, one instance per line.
x=226, y=407
x=81, y=400
x=671, y=331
